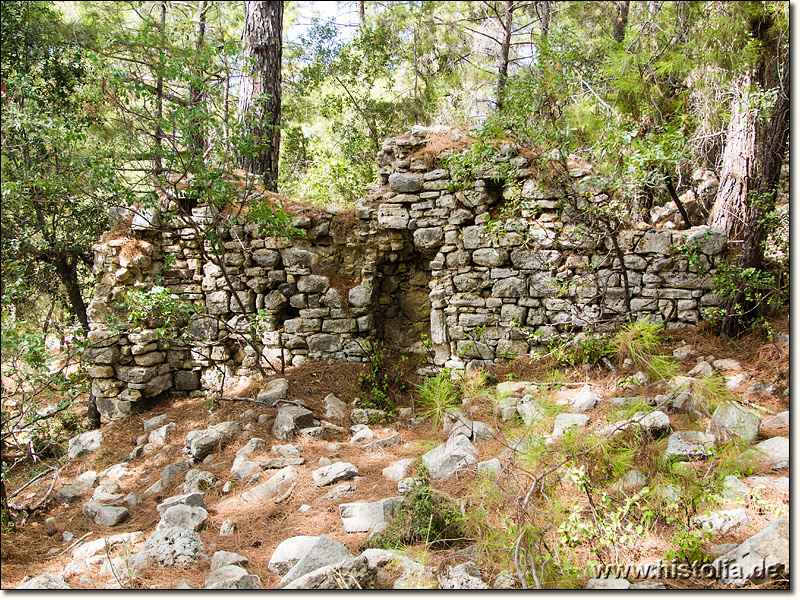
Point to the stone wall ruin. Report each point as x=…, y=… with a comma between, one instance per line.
x=414, y=259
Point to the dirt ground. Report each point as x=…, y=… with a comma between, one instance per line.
x=37, y=547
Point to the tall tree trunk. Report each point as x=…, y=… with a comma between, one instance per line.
x=771, y=153
x=260, y=93
x=622, y=21
x=730, y=206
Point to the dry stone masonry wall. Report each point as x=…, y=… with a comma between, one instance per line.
x=418, y=263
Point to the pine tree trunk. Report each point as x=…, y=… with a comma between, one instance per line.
x=260, y=93
x=196, y=91
x=158, y=151
x=771, y=153
x=622, y=21
x=505, y=52
x=730, y=206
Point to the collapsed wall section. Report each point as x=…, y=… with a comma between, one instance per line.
x=419, y=263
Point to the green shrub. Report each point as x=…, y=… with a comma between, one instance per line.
x=438, y=395
x=423, y=517
x=639, y=342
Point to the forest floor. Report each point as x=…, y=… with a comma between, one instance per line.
x=38, y=547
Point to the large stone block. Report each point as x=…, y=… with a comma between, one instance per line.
x=659, y=242
x=537, y=260
x=217, y=302
x=428, y=239
x=512, y=287
x=405, y=182
x=392, y=216
x=248, y=300
x=294, y=258
x=315, y=284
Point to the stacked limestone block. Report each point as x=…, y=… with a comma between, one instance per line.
x=497, y=291
x=419, y=257
x=302, y=314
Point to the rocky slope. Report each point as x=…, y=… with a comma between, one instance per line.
x=250, y=497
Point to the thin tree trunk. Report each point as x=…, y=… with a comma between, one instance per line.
x=68, y=274
x=544, y=8
x=196, y=91
x=730, y=206
x=260, y=93
x=622, y=21
x=158, y=150
x=92, y=414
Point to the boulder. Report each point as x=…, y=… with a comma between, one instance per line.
x=405, y=182
x=191, y=499
x=773, y=453
x=529, y=411
x=734, y=489
x=465, y=576
x=170, y=546
x=335, y=409
x=392, y=440
x=779, y=420
x=223, y=559
x=198, y=481
x=324, y=552
x=200, y=443
x=363, y=516
x=608, y=583
x=232, y=577
x=566, y=420
x=82, y=484
x=107, y=516
x=656, y=422
x=108, y=493
x=367, y=415
x=586, y=399
x=701, y=369
x=153, y=423
x=84, y=443
x=90, y=549
x=182, y=515
x=45, y=581
x=275, y=391
x=760, y=558
x=721, y=522
x=364, y=434
x=707, y=240
x=398, y=470
x=731, y=419
x=333, y=473
x=455, y=454
x=172, y=471
x=289, y=552
x=349, y=574
x=276, y=485
x=288, y=418
x=726, y=364
x=159, y=436
x=688, y=445
x=280, y=463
